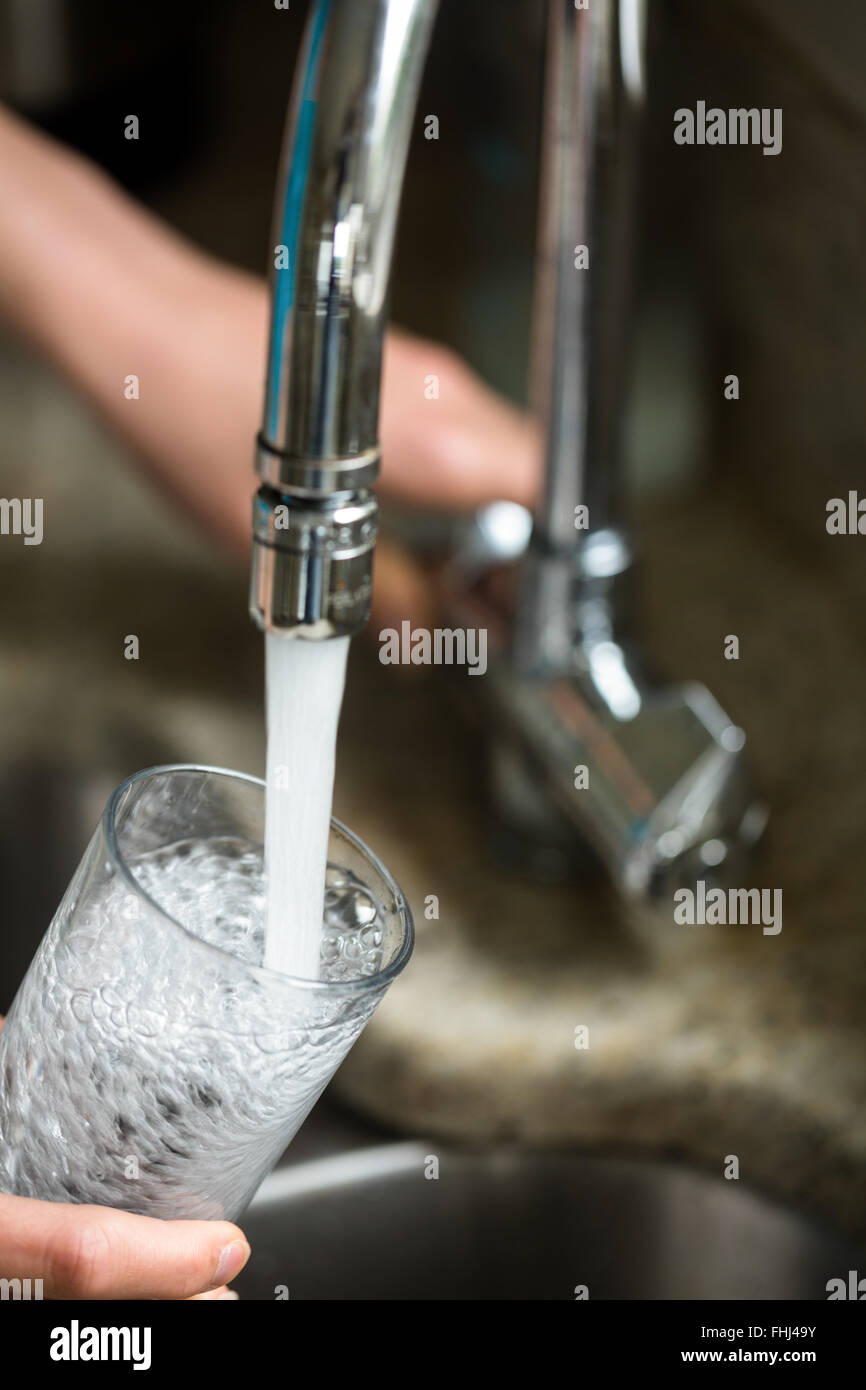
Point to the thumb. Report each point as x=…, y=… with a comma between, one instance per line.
x=88, y=1252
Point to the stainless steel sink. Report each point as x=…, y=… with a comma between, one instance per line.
x=368, y=1224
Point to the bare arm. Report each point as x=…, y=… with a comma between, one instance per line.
x=104, y=289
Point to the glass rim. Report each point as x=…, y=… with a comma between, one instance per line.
x=356, y=986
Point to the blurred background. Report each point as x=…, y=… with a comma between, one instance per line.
x=747, y=264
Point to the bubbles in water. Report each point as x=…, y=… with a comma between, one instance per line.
x=217, y=889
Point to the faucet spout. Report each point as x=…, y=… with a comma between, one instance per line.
x=338, y=196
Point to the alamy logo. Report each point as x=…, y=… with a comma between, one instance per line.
x=25, y=1290
x=737, y=126
x=22, y=516
x=77, y=1343
x=846, y=517
x=444, y=646
x=743, y=906
x=853, y=1288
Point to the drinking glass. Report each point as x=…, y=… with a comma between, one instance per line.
x=144, y=1067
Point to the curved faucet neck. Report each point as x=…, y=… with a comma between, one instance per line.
x=338, y=196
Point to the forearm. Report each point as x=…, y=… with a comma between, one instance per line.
x=105, y=291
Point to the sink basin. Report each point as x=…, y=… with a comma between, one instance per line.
x=368, y=1224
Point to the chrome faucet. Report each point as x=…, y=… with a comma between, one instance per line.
x=652, y=778
x=337, y=201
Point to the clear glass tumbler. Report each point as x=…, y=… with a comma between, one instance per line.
x=145, y=1067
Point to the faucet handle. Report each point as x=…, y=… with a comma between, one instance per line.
x=658, y=786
